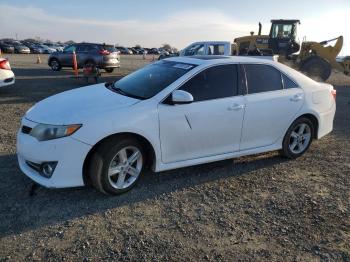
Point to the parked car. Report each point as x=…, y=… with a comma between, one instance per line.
x=34, y=48
x=100, y=55
x=124, y=50
x=140, y=50
x=153, y=51
x=56, y=47
x=133, y=50
x=173, y=113
x=7, y=48
x=7, y=77
x=20, y=48
x=46, y=49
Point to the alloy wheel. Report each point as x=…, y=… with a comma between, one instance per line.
x=125, y=167
x=300, y=138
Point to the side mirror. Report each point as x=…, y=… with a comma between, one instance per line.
x=181, y=97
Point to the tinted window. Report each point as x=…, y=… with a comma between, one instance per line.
x=262, y=78
x=70, y=48
x=109, y=48
x=81, y=48
x=212, y=83
x=150, y=80
x=287, y=83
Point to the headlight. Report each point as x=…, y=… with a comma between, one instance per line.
x=44, y=132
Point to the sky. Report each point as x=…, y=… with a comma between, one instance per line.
x=179, y=23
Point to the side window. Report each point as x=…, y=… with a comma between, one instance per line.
x=80, y=48
x=287, y=83
x=213, y=83
x=70, y=48
x=217, y=49
x=262, y=78
x=90, y=48
x=197, y=49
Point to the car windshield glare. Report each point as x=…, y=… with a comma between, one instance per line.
x=150, y=80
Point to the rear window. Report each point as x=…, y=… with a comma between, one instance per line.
x=150, y=80
x=288, y=83
x=109, y=48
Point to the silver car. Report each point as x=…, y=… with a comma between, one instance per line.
x=100, y=55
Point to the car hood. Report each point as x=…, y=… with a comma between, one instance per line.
x=78, y=105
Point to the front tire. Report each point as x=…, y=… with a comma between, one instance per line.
x=117, y=165
x=298, y=138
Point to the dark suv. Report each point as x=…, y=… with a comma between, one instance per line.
x=100, y=55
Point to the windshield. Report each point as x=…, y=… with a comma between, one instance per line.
x=150, y=80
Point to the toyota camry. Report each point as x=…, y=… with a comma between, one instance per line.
x=173, y=113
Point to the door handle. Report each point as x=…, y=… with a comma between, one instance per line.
x=296, y=98
x=235, y=107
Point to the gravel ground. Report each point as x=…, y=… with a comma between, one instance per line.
x=261, y=207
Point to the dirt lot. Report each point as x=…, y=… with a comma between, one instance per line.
x=260, y=207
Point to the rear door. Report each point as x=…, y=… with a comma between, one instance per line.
x=272, y=102
x=211, y=125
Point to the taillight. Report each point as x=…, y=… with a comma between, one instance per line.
x=4, y=64
x=334, y=93
x=104, y=52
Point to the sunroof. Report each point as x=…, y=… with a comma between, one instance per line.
x=209, y=57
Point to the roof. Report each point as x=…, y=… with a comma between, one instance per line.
x=213, y=59
x=296, y=76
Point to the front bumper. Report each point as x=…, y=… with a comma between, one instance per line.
x=68, y=152
x=7, y=78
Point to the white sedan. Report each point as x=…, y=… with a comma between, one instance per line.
x=7, y=77
x=174, y=113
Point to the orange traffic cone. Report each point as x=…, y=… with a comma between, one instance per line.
x=75, y=64
x=0, y=53
x=153, y=58
x=38, y=60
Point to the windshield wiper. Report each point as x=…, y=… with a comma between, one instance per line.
x=122, y=92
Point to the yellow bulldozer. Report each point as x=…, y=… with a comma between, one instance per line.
x=315, y=59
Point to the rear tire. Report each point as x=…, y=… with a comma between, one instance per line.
x=109, y=70
x=117, y=165
x=55, y=65
x=298, y=138
x=316, y=68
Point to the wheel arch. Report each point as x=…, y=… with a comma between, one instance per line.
x=312, y=117
x=148, y=146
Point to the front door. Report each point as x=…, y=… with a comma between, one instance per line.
x=66, y=57
x=211, y=125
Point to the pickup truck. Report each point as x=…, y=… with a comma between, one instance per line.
x=223, y=48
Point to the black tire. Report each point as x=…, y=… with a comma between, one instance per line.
x=316, y=68
x=289, y=139
x=55, y=65
x=90, y=63
x=102, y=158
x=109, y=70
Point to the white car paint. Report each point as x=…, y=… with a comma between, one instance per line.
x=181, y=135
x=7, y=77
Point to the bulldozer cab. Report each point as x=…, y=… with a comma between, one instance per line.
x=282, y=37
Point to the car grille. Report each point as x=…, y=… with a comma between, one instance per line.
x=26, y=129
